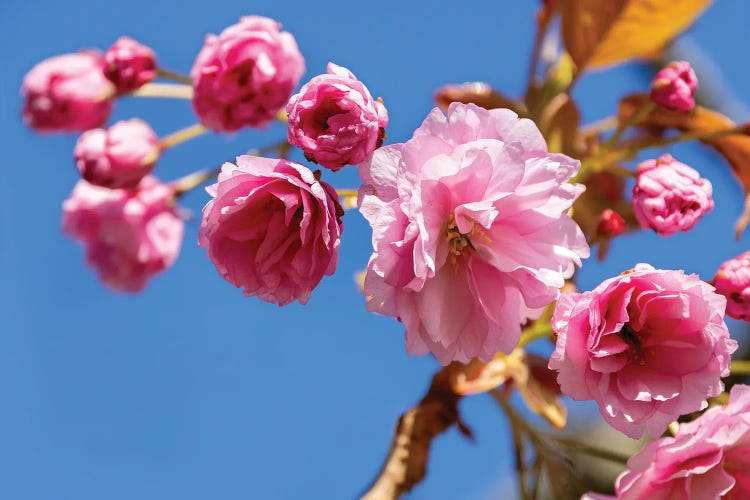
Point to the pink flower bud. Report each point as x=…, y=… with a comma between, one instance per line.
x=733, y=282
x=67, y=93
x=610, y=224
x=647, y=346
x=119, y=156
x=244, y=76
x=272, y=228
x=674, y=87
x=669, y=196
x=335, y=120
x=129, y=64
x=129, y=236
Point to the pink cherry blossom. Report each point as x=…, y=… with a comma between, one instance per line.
x=707, y=458
x=119, y=156
x=647, y=346
x=67, y=93
x=669, y=196
x=129, y=236
x=245, y=75
x=674, y=87
x=471, y=235
x=272, y=228
x=733, y=282
x=129, y=64
x=335, y=120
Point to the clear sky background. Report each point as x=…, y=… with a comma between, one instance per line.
x=191, y=390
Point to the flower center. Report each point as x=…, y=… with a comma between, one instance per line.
x=458, y=242
x=630, y=337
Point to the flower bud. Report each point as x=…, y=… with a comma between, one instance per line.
x=335, y=120
x=610, y=224
x=129, y=235
x=129, y=64
x=67, y=93
x=119, y=156
x=245, y=75
x=733, y=282
x=674, y=87
x=669, y=196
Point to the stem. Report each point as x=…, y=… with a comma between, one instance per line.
x=171, y=75
x=281, y=116
x=600, y=126
x=536, y=53
x=343, y=193
x=536, y=332
x=594, y=451
x=282, y=147
x=192, y=181
x=170, y=90
x=740, y=367
x=182, y=135
x=636, y=118
x=697, y=135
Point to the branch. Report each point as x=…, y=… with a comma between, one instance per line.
x=406, y=464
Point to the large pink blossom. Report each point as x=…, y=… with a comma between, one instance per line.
x=670, y=196
x=67, y=93
x=272, y=228
x=647, y=346
x=335, y=120
x=118, y=156
x=130, y=236
x=471, y=235
x=707, y=458
x=732, y=280
x=245, y=75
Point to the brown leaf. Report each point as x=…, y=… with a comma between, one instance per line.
x=538, y=386
x=560, y=126
x=476, y=376
x=478, y=93
x=734, y=148
x=600, y=33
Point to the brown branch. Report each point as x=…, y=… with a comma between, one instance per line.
x=406, y=464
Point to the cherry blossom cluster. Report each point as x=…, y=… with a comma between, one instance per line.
x=472, y=233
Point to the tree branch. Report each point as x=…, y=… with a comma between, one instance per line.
x=406, y=464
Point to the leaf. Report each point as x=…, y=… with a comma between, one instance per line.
x=539, y=389
x=600, y=33
x=478, y=93
x=559, y=125
x=734, y=148
x=476, y=376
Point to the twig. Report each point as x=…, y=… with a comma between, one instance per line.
x=406, y=463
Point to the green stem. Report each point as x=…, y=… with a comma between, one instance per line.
x=169, y=90
x=634, y=120
x=536, y=332
x=182, y=135
x=740, y=367
x=174, y=76
x=588, y=449
x=192, y=181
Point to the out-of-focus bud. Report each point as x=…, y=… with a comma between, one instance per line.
x=610, y=224
x=733, y=282
x=67, y=93
x=674, y=87
x=129, y=64
x=119, y=156
x=669, y=196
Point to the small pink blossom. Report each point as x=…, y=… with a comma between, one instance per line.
x=129, y=236
x=733, y=282
x=674, y=87
x=647, y=346
x=129, y=64
x=244, y=76
x=707, y=458
x=335, y=120
x=669, y=196
x=67, y=93
x=471, y=235
x=119, y=156
x=272, y=228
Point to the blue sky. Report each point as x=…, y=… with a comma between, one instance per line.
x=191, y=390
